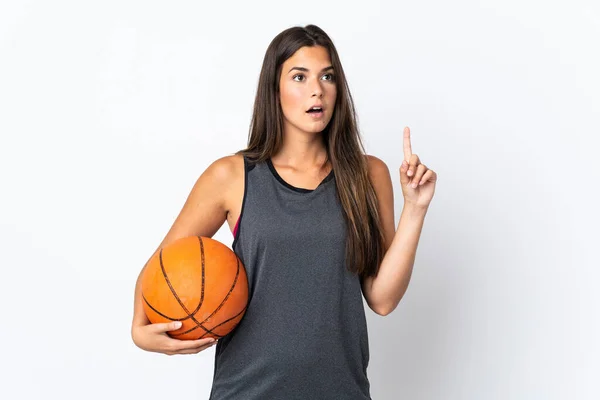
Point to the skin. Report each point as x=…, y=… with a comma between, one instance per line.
x=217, y=195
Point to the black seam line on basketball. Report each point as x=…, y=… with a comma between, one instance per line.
x=159, y=313
x=237, y=274
x=198, y=324
x=189, y=315
x=202, y=268
x=162, y=267
x=184, y=318
x=207, y=331
x=201, y=294
x=215, y=327
x=180, y=319
x=192, y=315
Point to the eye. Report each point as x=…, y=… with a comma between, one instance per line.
x=298, y=76
x=331, y=77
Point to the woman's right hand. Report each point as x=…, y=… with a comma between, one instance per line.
x=154, y=337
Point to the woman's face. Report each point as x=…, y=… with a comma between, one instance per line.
x=307, y=80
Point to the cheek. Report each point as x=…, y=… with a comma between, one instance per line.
x=292, y=98
x=332, y=95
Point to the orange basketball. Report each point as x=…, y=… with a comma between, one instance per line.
x=198, y=281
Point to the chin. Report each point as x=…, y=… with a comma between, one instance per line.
x=316, y=128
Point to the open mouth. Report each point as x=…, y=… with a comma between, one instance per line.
x=315, y=111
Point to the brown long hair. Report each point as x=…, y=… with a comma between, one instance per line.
x=345, y=150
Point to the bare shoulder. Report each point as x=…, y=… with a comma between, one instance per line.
x=207, y=205
x=379, y=174
x=228, y=175
x=226, y=168
x=229, y=172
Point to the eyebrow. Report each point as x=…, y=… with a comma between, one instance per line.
x=306, y=69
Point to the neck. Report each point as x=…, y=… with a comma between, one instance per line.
x=301, y=150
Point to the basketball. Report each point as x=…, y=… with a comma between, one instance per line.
x=198, y=281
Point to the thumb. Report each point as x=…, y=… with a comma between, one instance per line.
x=404, y=178
x=168, y=326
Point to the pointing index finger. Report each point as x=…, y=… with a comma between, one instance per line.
x=407, y=147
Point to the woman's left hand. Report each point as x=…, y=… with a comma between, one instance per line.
x=414, y=173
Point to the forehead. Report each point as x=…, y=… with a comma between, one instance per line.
x=313, y=57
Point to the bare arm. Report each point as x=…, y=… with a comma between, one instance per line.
x=384, y=292
x=203, y=213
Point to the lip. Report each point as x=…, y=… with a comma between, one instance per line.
x=320, y=105
x=316, y=115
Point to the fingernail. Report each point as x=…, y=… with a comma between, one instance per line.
x=177, y=324
x=409, y=173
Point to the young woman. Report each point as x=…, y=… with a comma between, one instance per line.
x=313, y=222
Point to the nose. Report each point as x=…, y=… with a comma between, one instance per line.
x=317, y=90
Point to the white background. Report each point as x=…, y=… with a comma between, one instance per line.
x=109, y=111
